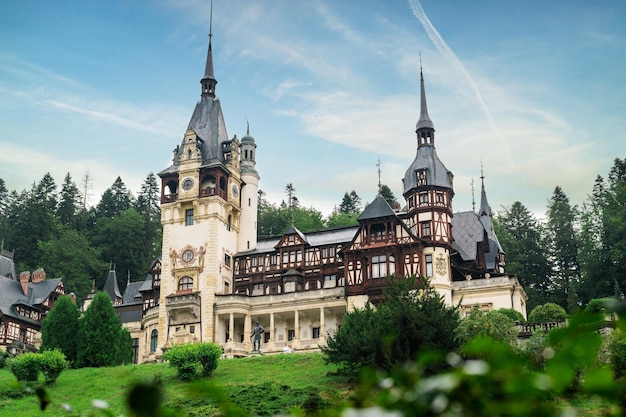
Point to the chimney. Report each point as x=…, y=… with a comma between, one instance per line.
x=39, y=275
x=24, y=278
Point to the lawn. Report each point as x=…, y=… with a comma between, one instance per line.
x=251, y=382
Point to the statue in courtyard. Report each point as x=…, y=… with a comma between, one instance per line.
x=256, y=337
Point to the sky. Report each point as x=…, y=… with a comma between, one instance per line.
x=530, y=92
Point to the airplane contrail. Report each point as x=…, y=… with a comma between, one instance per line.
x=445, y=50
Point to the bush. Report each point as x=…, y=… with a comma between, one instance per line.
x=189, y=357
x=185, y=359
x=617, y=349
x=407, y=322
x=534, y=349
x=596, y=305
x=208, y=354
x=25, y=367
x=512, y=314
x=52, y=363
x=4, y=355
x=547, y=312
x=486, y=323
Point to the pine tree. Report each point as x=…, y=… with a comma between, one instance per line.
x=60, y=327
x=114, y=200
x=526, y=253
x=101, y=341
x=387, y=194
x=69, y=203
x=562, y=241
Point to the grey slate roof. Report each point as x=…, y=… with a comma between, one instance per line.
x=132, y=291
x=424, y=120
x=7, y=267
x=437, y=173
x=468, y=229
x=377, y=208
x=207, y=122
x=293, y=230
x=111, y=287
x=11, y=294
x=323, y=237
x=467, y=232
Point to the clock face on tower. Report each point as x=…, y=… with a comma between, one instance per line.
x=235, y=190
x=187, y=184
x=187, y=255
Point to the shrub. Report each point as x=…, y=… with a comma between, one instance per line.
x=52, y=363
x=486, y=323
x=25, y=367
x=4, y=355
x=208, y=354
x=512, y=314
x=534, y=350
x=189, y=357
x=412, y=318
x=547, y=312
x=185, y=359
x=596, y=305
x=617, y=349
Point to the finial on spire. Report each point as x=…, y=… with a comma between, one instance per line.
x=378, y=164
x=211, y=22
x=247, y=126
x=482, y=175
x=209, y=82
x=421, y=62
x=473, y=199
x=425, y=129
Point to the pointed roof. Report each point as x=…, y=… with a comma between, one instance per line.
x=426, y=158
x=111, y=287
x=424, y=121
x=378, y=208
x=208, y=81
x=485, y=209
x=293, y=230
x=207, y=122
x=486, y=218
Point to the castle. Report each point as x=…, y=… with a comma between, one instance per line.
x=215, y=280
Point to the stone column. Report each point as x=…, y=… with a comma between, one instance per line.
x=231, y=327
x=296, y=325
x=247, y=330
x=322, y=340
x=270, y=344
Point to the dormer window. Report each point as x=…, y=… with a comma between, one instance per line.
x=422, y=177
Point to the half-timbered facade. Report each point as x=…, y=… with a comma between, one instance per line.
x=215, y=280
x=24, y=303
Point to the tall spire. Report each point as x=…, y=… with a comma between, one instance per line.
x=425, y=129
x=208, y=82
x=484, y=210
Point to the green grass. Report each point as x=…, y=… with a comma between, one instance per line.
x=284, y=378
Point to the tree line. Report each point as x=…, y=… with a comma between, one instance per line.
x=571, y=256
x=53, y=228
x=576, y=253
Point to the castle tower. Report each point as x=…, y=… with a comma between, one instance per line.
x=201, y=214
x=428, y=191
x=249, y=194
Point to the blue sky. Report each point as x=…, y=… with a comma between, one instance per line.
x=532, y=89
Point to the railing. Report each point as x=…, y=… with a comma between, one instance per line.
x=178, y=299
x=527, y=329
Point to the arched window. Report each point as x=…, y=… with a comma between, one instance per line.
x=154, y=340
x=185, y=284
x=229, y=222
